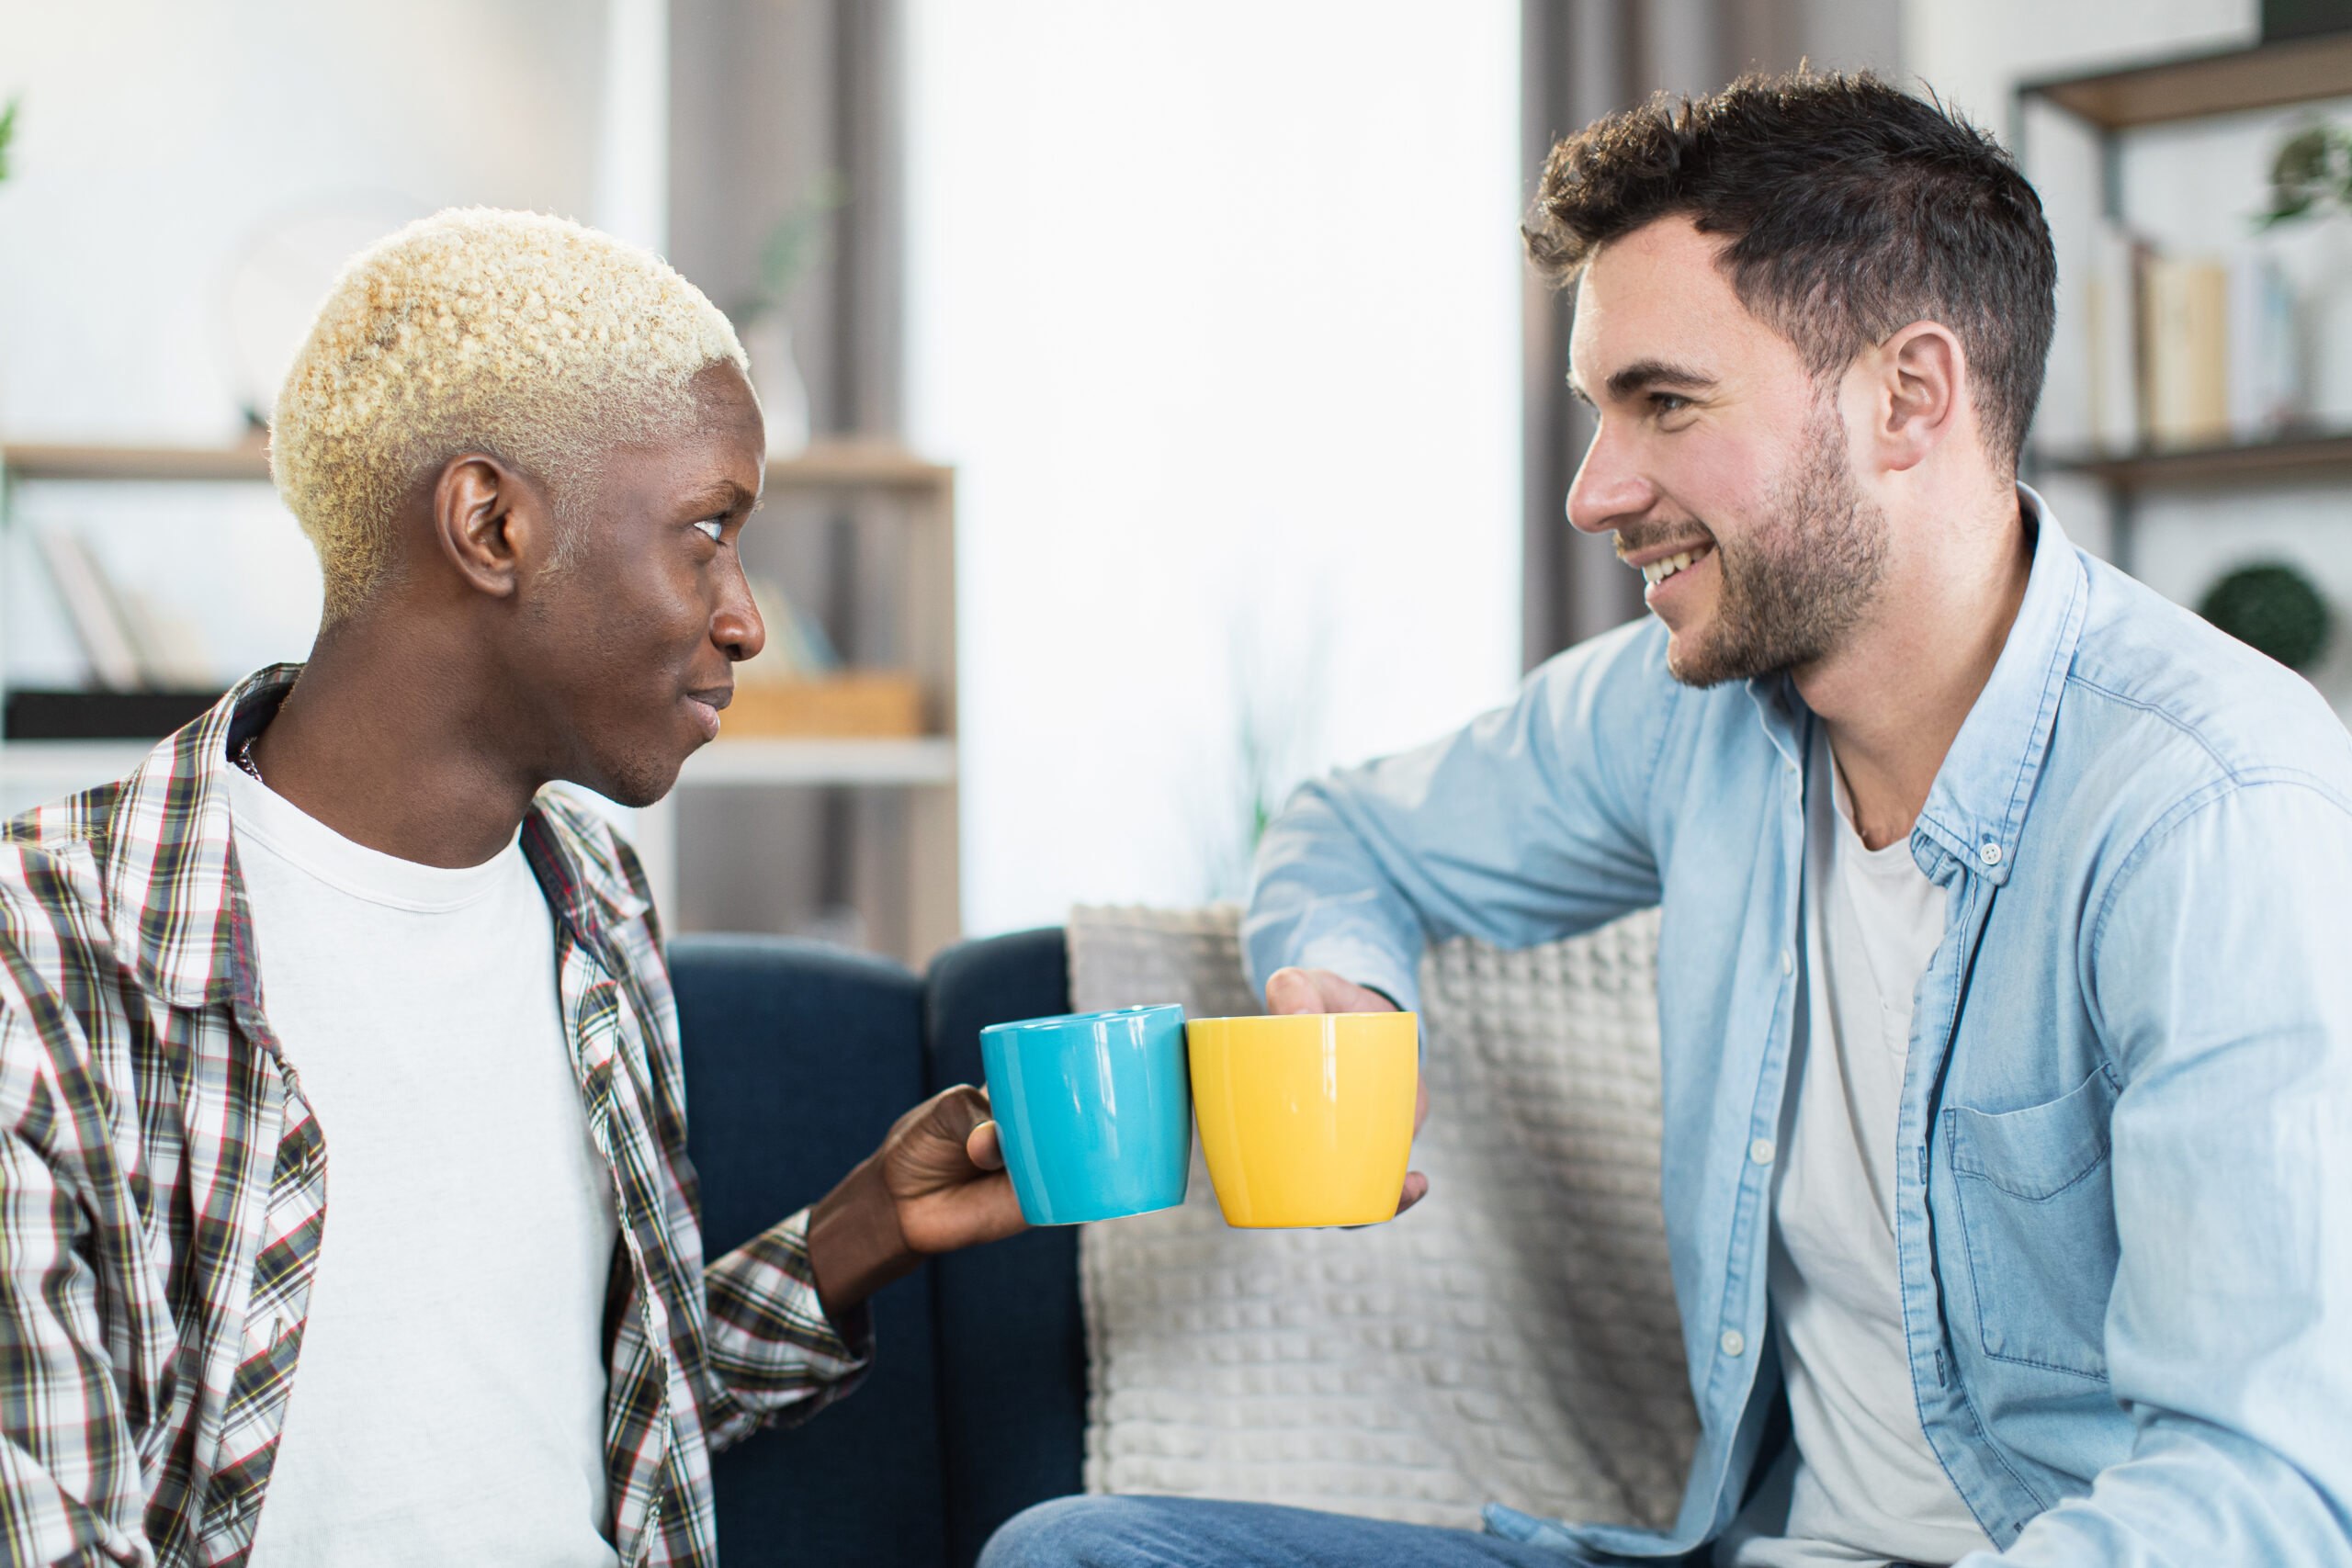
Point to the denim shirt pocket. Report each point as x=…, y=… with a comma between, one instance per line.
x=2037, y=1201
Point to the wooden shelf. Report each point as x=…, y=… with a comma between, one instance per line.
x=2186, y=89
x=926, y=760
x=868, y=462
x=152, y=464
x=921, y=760
x=2288, y=459
x=826, y=464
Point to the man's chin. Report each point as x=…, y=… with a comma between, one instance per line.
x=637, y=781
x=1701, y=662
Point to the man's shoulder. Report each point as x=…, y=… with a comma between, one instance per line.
x=55, y=936
x=53, y=861
x=83, y=820
x=2159, y=685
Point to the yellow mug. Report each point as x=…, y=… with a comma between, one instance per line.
x=1306, y=1118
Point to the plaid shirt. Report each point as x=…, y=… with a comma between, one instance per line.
x=164, y=1186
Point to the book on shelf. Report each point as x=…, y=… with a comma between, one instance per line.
x=2185, y=351
x=2111, y=299
x=132, y=642
x=88, y=597
x=2189, y=350
x=2265, y=349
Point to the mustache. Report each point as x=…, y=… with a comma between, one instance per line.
x=1649, y=535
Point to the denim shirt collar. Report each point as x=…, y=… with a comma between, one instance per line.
x=1975, y=810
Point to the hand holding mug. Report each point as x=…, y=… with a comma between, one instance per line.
x=937, y=1183
x=1319, y=990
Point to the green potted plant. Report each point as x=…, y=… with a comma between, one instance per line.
x=2273, y=609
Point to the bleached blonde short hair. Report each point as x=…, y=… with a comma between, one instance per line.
x=527, y=337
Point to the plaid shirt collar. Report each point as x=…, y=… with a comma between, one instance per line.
x=195, y=943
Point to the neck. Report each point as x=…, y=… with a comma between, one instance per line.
x=1896, y=694
x=388, y=742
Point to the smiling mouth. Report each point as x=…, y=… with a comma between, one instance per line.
x=1657, y=572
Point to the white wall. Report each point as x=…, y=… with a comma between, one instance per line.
x=1216, y=306
x=158, y=139
x=158, y=135
x=1974, y=51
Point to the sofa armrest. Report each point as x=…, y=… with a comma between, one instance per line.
x=798, y=1056
x=1012, y=1340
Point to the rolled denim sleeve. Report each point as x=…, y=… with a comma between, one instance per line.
x=2222, y=977
x=1528, y=825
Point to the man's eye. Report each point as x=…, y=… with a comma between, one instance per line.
x=711, y=528
x=1669, y=402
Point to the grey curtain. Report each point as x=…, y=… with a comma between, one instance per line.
x=771, y=103
x=1582, y=59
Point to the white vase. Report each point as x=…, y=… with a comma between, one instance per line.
x=2316, y=255
x=775, y=375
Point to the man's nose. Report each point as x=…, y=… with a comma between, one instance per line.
x=1610, y=487
x=737, y=627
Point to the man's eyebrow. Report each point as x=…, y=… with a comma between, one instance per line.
x=724, y=496
x=1645, y=372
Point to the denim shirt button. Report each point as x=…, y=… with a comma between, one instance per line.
x=1788, y=962
x=1990, y=854
x=1734, y=1343
x=1760, y=1151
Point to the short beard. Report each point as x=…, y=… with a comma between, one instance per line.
x=1791, y=592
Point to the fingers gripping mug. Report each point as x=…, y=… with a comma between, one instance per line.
x=1095, y=1111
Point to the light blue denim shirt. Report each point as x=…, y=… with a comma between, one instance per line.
x=2123, y=1212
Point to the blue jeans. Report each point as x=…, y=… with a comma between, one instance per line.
x=1200, y=1532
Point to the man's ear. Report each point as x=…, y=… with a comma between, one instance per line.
x=491, y=522
x=1917, y=383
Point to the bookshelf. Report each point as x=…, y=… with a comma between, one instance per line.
x=855, y=837
x=2194, y=86
x=2287, y=459
x=2113, y=107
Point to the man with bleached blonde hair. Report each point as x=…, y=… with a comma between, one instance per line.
x=344, y=1213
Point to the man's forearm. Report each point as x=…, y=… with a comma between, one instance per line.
x=854, y=1245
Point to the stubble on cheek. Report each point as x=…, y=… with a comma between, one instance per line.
x=1788, y=592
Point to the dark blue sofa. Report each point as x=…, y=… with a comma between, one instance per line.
x=798, y=1056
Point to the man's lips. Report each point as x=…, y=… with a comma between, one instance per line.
x=704, y=707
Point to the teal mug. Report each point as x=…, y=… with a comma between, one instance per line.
x=1094, y=1110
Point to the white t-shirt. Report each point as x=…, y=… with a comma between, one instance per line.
x=448, y=1404
x=1865, y=1486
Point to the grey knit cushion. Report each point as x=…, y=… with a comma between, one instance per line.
x=1512, y=1338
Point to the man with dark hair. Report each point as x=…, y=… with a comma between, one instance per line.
x=2006, y=1020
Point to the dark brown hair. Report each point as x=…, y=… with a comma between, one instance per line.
x=1853, y=211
